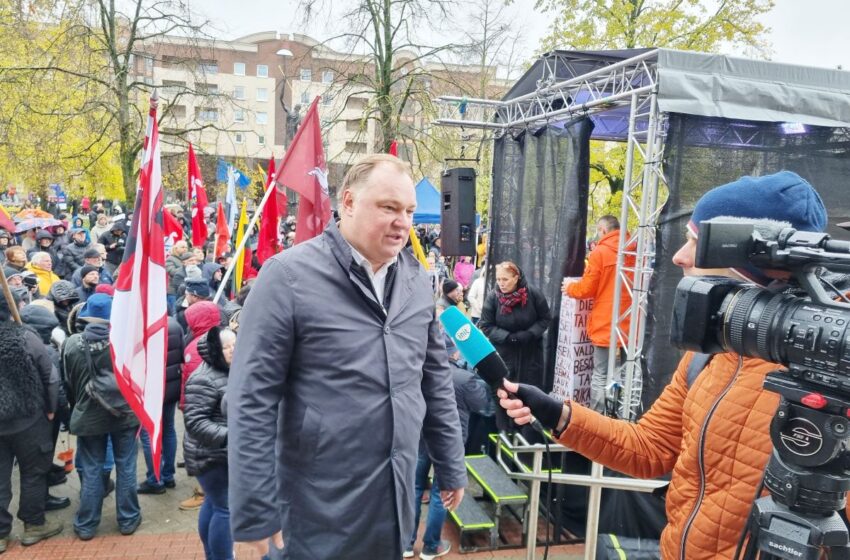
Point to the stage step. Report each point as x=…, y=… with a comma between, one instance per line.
x=496, y=484
x=494, y=440
x=470, y=516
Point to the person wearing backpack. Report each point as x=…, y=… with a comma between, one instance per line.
x=99, y=414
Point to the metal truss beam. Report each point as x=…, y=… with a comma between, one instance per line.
x=593, y=92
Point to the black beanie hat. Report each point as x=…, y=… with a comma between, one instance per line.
x=449, y=286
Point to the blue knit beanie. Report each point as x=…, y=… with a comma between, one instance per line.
x=783, y=196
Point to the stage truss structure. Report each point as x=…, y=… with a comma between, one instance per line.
x=631, y=83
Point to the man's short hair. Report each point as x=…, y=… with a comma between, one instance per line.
x=609, y=223
x=362, y=169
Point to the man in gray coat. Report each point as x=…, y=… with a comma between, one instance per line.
x=339, y=365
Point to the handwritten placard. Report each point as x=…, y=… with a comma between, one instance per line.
x=574, y=354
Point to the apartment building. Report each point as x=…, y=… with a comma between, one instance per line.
x=244, y=98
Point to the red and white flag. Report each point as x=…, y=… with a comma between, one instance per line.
x=198, y=195
x=138, y=337
x=173, y=231
x=303, y=170
x=267, y=242
x=222, y=237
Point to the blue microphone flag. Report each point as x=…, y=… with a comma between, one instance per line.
x=470, y=341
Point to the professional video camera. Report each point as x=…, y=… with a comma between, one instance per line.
x=803, y=328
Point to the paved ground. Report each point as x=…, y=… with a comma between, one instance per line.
x=167, y=533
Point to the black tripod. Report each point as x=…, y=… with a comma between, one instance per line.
x=808, y=474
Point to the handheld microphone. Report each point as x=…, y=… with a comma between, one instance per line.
x=478, y=351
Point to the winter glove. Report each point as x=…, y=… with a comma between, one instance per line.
x=545, y=408
x=524, y=337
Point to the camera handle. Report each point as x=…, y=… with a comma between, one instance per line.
x=807, y=477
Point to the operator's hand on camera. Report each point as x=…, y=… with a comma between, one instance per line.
x=526, y=402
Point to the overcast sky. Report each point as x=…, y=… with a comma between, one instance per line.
x=810, y=32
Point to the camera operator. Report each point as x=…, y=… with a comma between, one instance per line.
x=712, y=434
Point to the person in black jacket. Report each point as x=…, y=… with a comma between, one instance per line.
x=42, y=322
x=514, y=318
x=114, y=241
x=205, y=440
x=173, y=380
x=29, y=386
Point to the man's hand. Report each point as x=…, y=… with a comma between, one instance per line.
x=564, y=286
x=51, y=416
x=526, y=402
x=451, y=498
x=262, y=546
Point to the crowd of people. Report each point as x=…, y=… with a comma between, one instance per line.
x=62, y=277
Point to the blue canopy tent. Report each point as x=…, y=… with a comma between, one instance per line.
x=427, y=203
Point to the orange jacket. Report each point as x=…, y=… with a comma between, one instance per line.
x=597, y=284
x=726, y=414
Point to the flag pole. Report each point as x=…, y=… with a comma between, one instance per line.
x=254, y=219
x=7, y=293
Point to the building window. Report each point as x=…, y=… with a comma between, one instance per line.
x=148, y=64
x=262, y=117
x=239, y=92
x=306, y=75
x=207, y=89
x=173, y=87
x=208, y=114
x=305, y=97
x=177, y=111
x=239, y=115
x=208, y=66
x=239, y=138
x=355, y=147
x=261, y=140
x=262, y=94
x=327, y=77
x=356, y=103
x=327, y=99
x=352, y=125
x=262, y=71
x=239, y=68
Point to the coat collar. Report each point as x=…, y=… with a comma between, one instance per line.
x=405, y=273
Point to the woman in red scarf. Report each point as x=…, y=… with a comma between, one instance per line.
x=514, y=318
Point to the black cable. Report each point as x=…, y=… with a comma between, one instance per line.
x=836, y=290
x=746, y=529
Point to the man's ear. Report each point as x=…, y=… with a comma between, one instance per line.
x=347, y=205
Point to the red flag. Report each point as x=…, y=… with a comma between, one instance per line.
x=138, y=335
x=198, y=194
x=303, y=170
x=393, y=148
x=172, y=227
x=222, y=232
x=267, y=244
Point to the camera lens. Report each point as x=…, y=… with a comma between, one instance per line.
x=785, y=329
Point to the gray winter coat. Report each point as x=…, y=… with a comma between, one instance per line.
x=326, y=400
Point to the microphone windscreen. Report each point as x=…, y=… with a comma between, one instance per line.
x=470, y=341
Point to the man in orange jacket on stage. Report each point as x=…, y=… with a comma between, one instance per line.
x=597, y=283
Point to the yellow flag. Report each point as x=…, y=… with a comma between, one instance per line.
x=240, y=260
x=417, y=249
